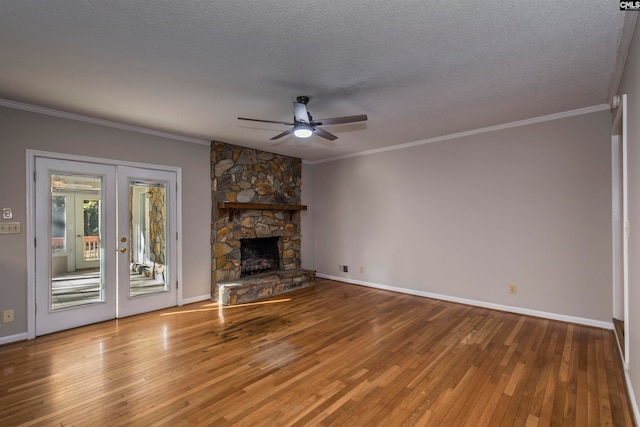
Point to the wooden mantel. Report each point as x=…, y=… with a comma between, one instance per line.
x=234, y=206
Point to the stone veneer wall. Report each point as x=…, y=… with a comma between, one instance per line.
x=241, y=174
x=156, y=217
x=157, y=224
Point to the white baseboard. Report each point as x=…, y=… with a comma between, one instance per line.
x=195, y=299
x=627, y=378
x=483, y=304
x=632, y=397
x=13, y=338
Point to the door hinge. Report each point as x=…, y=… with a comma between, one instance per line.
x=34, y=176
x=35, y=242
x=176, y=235
x=177, y=286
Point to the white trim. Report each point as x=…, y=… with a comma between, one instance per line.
x=625, y=226
x=556, y=116
x=615, y=225
x=620, y=220
x=628, y=28
x=13, y=338
x=99, y=160
x=30, y=232
x=632, y=395
x=483, y=304
x=31, y=250
x=180, y=301
x=196, y=299
x=101, y=122
x=148, y=131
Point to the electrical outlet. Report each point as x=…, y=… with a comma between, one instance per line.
x=513, y=289
x=9, y=228
x=7, y=316
x=345, y=268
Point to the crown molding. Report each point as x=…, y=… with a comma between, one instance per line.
x=556, y=116
x=148, y=131
x=101, y=122
x=628, y=27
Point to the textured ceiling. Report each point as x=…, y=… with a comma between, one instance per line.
x=419, y=69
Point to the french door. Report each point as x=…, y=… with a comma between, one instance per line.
x=104, y=246
x=146, y=240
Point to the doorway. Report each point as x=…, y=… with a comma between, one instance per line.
x=620, y=227
x=103, y=242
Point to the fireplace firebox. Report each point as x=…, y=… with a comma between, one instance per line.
x=259, y=255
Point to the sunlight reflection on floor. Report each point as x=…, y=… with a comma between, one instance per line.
x=216, y=306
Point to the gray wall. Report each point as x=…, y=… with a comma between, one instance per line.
x=20, y=130
x=465, y=218
x=631, y=86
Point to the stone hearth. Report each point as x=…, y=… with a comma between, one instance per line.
x=259, y=286
x=243, y=175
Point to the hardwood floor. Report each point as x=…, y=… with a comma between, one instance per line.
x=618, y=328
x=334, y=354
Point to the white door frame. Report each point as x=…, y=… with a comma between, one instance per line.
x=31, y=221
x=620, y=218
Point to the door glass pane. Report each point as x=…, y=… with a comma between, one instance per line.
x=91, y=229
x=147, y=225
x=76, y=223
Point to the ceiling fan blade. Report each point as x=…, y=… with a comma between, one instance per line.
x=266, y=121
x=326, y=135
x=342, y=120
x=300, y=113
x=280, y=135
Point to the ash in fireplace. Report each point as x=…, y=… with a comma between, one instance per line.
x=259, y=255
x=255, y=265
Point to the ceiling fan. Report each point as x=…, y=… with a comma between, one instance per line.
x=303, y=124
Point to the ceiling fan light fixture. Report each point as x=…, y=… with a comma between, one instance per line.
x=304, y=126
x=303, y=131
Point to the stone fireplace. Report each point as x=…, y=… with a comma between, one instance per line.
x=255, y=232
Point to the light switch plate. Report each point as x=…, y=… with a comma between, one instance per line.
x=10, y=228
x=7, y=213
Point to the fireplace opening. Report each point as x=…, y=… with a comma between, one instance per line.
x=259, y=255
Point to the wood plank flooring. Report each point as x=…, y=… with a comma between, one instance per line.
x=335, y=354
x=618, y=328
